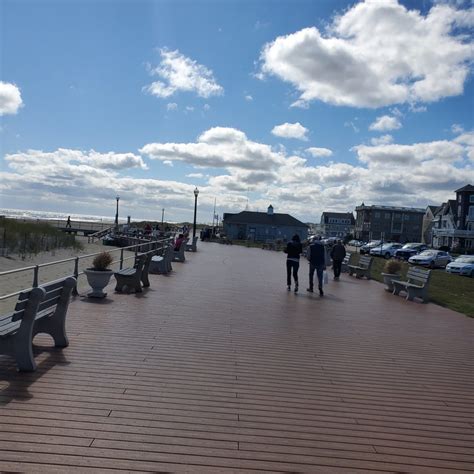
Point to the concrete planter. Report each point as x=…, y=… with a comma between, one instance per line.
x=98, y=280
x=388, y=278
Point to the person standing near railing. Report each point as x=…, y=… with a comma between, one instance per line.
x=68, y=222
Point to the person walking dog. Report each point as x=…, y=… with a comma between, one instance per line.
x=317, y=262
x=293, y=250
x=338, y=252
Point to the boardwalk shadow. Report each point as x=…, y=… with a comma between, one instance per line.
x=15, y=385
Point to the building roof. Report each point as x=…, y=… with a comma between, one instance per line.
x=390, y=208
x=447, y=207
x=433, y=209
x=468, y=187
x=249, y=217
x=337, y=215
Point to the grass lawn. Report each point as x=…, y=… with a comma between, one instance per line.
x=452, y=291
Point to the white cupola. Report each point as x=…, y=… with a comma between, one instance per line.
x=270, y=210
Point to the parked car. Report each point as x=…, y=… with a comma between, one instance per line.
x=365, y=249
x=431, y=258
x=410, y=249
x=386, y=250
x=463, y=265
x=355, y=243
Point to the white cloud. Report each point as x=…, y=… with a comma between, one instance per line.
x=385, y=123
x=179, y=73
x=382, y=140
x=318, y=152
x=394, y=174
x=189, y=108
x=172, y=106
x=168, y=163
x=10, y=98
x=290, y=130
x=353, y=126
x=376, y=54
x=218, y=147
x=248, y=98
x=456, y=128
x=196, y=175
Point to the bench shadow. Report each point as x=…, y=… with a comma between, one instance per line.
x=15, y=385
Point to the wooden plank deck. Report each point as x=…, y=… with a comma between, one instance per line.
x=217, y=368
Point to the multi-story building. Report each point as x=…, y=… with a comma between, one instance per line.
x=453, y=224
x=397, y=224
x=428, y=222
x=337, y=224
x=263, y=226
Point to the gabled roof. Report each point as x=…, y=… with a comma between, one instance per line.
x=468, y=187
x=338, y=215
x=433, y=209
x=249, y=217
x=447, y=208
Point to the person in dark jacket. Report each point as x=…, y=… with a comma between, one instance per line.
x=317, y=261
x=338, y=252
x=293, y=250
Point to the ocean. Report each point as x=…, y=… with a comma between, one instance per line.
x=46, y=215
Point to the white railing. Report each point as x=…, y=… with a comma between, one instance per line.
x=453, y=233
x=143, y=247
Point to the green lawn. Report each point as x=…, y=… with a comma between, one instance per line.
x=452, y=291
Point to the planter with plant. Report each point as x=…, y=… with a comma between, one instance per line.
x=391, y=271
x=98, y=276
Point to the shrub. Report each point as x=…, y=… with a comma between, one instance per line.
x=102, y=261
x=392, y=267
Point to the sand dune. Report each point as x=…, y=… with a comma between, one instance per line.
x=24, y=279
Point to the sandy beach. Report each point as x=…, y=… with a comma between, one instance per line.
x=17, y=281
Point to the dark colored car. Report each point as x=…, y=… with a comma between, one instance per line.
x=410, y=249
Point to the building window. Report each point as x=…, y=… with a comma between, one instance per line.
x=471, y=213
x=406, y=217
x=471, y=198
x=387, y=215
x=377, y=215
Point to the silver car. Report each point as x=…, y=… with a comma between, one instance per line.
x=463, y=265
x=431, y=258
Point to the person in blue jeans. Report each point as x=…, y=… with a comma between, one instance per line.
x=317, y=261
x=293, y=250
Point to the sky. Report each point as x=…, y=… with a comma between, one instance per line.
x=307, y=105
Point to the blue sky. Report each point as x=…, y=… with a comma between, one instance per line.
x=310, y=106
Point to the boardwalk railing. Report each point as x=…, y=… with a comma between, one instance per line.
x=143, y=247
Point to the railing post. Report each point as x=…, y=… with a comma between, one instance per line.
x=76, y=275
x=121, y=259
x=35, y=276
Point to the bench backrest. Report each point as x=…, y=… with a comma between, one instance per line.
x=44, y=297
x=418, y=275
x=365, y=261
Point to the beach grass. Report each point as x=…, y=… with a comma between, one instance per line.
x=30, y=238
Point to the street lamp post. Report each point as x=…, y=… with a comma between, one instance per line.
x=196, y=192
x=116, y=212
x=162, y=217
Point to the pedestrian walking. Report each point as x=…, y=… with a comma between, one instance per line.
x=293, y=250
x=338, y=252
x=317, y=262
x=68, y=222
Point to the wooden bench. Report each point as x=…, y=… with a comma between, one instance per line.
x=192, y=246
x=346, y=262
x=39, y=310
x=178, y=255
x=416, y=284
x=131, y=277
x=362, y=268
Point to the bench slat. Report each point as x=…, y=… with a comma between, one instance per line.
x=10, y=328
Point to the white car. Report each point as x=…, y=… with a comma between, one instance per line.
x=386, y=250
x=463, y=265
x=431, y=258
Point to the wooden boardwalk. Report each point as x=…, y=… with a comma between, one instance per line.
x=218, y=369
